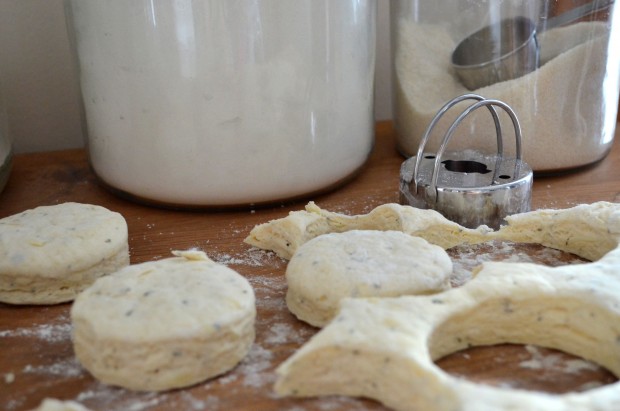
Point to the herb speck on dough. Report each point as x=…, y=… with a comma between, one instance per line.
x=128, y=313
x=507, y=306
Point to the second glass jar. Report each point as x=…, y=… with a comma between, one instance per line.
x=566, y=106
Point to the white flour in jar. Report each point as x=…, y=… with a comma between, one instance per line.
x=563, y=107
x=223, y=103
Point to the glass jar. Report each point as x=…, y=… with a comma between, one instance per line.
x=566, y=105
x=6, y=152
x=225, y=102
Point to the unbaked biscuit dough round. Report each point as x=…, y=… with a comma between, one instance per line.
x=49, y=254
x=164, y=324
x=361, y=263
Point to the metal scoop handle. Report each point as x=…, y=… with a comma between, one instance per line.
x=574, y=14
x=509, y=48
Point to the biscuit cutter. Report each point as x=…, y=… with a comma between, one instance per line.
x=468, y=187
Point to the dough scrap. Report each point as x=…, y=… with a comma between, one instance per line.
x=51, y=404
x=285, y=235
x=49, y=254
x=379, y=348
x=587, y=230
x=164, y=324
x=361, y=263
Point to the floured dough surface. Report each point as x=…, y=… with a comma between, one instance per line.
x=164, y=324
x=49, y=254
x=361, y=263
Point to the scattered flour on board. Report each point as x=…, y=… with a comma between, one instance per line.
x=101, y=393
x=118, y=399
x=556, y=363
x=67, y=367
x=254, y=257
x=282, y=333
x=466, y=257
x=48, y=332
x=540, y=361
x=255, y=367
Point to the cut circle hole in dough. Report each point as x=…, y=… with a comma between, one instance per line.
x=466, y=257
x=519, y=366
x=385, y=348
x=526, y=367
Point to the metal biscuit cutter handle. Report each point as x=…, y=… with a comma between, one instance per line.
x=468, y=187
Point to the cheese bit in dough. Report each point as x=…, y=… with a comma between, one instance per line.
x=285, y=235
x=50, y=254
x=361, y=263
x=385, y=348
x=164, y=324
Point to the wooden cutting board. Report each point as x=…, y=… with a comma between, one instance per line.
x=36, y=357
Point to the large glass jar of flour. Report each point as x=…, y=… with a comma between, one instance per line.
x=565, y=93
x=225, y=102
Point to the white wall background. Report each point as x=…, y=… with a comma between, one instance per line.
x=40, y=85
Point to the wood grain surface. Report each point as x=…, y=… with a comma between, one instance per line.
x=36, y=356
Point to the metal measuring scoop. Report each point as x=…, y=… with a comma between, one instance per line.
x=509, y=49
